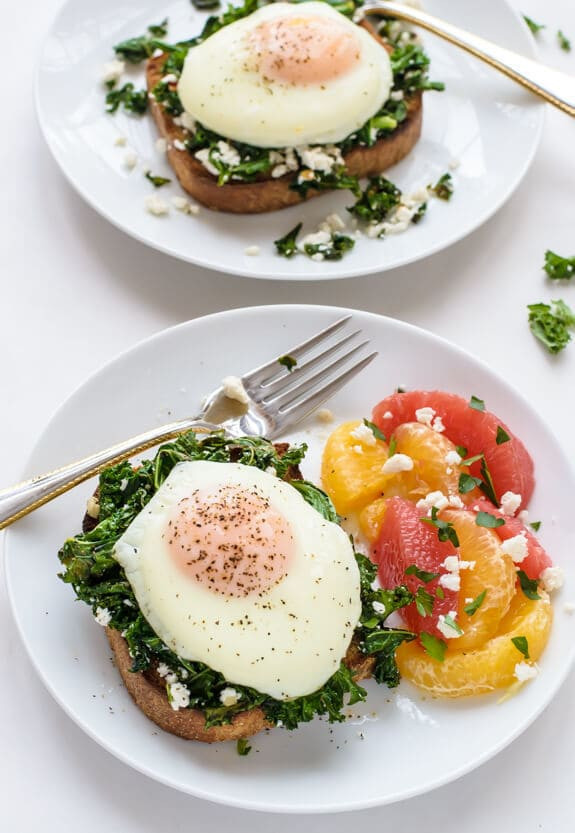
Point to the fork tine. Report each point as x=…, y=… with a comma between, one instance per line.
x=267, y=372
x=296, y=411
x=288, y=395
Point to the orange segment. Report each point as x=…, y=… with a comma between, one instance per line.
x=487, y=668
x=352, y=469
x=371, y=518
x=494, y=572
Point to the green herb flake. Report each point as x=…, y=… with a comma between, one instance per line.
x=487, y=486
x=522, y=645
x=488, y=521
x=461, y=450
x=377, y=200
x=424, y=602
x=501, y=436
x=529, y=586
x=535, y=525
x=334, y=250
x=157, y=181
x=445, y=529
x=443, y=188
x=204, y=5
x=564, y=42
x=474, y=606
x=550, y=323
x=379, y=435
x=433, y=646
x=451, y=623
x=288, y=361
x=534, y=27
x=159, y=30
x=477, y=404
x=422, y=575
x=467, y=483
x=287, y=246
x=559, y=268
x=133, y=101
x=439, y=592
x=243, y=747
x=392, y=446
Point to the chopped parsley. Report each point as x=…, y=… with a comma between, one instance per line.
x=392, y=447
x=559, y=268
x=474, y=606
x=461, y=450
x=422, y=575
x=551, y=324
x=202, y=5
x=522, y=645
x=467, y=483
x=445, y=529
x=379, y=435
x=288, y=361
x=439, y=592
x=534, y=27
x=529, y=586
x=501, y=436
x=488, y=521
x=133, y=101
x=451, y=623
x=157, y=181
x=424, y=602
x=485, y=484
x=243, y=747
x=535, y=525
x=564, y=42
x=287, y=245
x=433, y=646
x=159, y=30
x=476, y=403
x=443, y=188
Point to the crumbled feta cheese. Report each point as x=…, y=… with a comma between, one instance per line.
x=438, y=425
x=103, y=616
x=396, y=95
x=161, y=145
x=388, y=415
x=516, y=547
x=181, y=204
x=229, y=696
x=510, y=503
x=357, y=449
x=451, y=581
x=317, y=256
x=156, y=205
x=524, y=671
x=425, y=415
x=454, y=164
x=452, y=458
x=228, y=154
x=322, y=159
x=467, y=565
x=432, y=500
x=112, y=71
x=128, y=603
x=364, y=434
x=279, y=170
x=120, y=141
x=332, y=222
x=418, y=196
x=291, y=159
x=324, y=415
x=552, y=578
x=397, y=463
x=179, y=696
x=157, y=52
x=170, y=78
x=187, y=122
x=316, y=238
x=403, y=214
x=179, y=145
x=447, y=630
x=451, y=563
x=130, y=159
x=203, y=156
x=163, y=670
x=234, y=389
x=523, y=516
x=252, y=251
x=378, y=607
x=93, y=507
x=194, y=209
x=456, y=502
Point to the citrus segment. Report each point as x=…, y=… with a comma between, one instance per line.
x=352, y=467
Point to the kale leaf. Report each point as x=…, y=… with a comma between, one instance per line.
x=134, y=101
x=550, y=323
x=377, y=200
x=287, y=245
x=443, y=188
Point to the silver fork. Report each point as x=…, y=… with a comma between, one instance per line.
x=277, y=399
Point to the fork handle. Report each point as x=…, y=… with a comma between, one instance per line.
x=23, y=498
x=556, y=87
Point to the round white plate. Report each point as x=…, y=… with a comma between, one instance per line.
x=482, y=121
x=399, y=743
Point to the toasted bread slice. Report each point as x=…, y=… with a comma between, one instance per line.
x=269, y=194
x=148, y=692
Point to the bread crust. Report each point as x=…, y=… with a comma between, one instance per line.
x=269, y=194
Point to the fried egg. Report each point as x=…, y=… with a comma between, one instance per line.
x=231, y=567
x=287, y=75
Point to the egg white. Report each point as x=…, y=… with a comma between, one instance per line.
x=286, y=643
x=219, y=89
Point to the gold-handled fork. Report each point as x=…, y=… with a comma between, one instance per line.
x=278, y=395
x=556, y=87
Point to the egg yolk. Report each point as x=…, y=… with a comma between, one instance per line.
x=231, y=541
x=303, y=50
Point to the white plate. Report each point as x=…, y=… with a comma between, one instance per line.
x=484, y=121
x=410, y=744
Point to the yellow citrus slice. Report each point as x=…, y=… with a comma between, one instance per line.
x=352, y=466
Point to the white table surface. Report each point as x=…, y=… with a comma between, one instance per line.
x=75, y=292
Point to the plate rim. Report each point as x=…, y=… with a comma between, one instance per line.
x=358, y=804
x=531, y=50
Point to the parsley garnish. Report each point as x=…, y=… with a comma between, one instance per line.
x=486, y=485
x=477, y=404
x=202, y=5
x=287, y=246
x=535, y=27
x=564, y=42
x=433, y=646
x=243, y=747
x=461, y=450
x=159, y=30
x=392, y=447
x=157, y=181
x=451, y=623
x=379, y=435
x=445, y=529
x=558, y=268
x=467, y=483
x=551, y=324
x=522, y=645
x=422, y=575
x=529, y=586
x=134, y=101
x=474, y=606
x=424, y=602
x=536, y=525
x=443, y=188
x=288, y=361
x=439, y=592
x=488, y=521
x=502, y=436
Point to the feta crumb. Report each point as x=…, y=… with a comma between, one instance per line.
x=317, y=238
x=157, y=52
x=128, y=603
x=234, y=389
x=187, y=122
x=523, y=516
x=524, y=671
x=271, y=470
x=279, y=170
x=203, y=156
x=364, y=434
x=120, y=141
x=452, y=458
x=332, y=222
x=438, y=425
x=130, y=159
x=156, y=205
x=103, y=616
x=469, y=599
x=181, y=204
x=378, y=607
x=569, y=607
x=447, y=630
x=516, y=547
x=397, y=463
x=112, y=71
x=510, y=503
x=318, y=256
x=93, y=507
x=467, y=565
x=358, y=449
x=451, y=564
x=170, y=78
x=194, y=209
x=252, y=251
x=163, y=670
x=454, y=164
x=451, y=581
x=425, y=415
x=320, y=158
x=179, y=145
x=179, y=696
x=229, y=696
x=324, y=415
x=396, y=95
x=552, y=578
x=388, y=415
x=432, y=500
x=456, y=502
x=161, y=145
